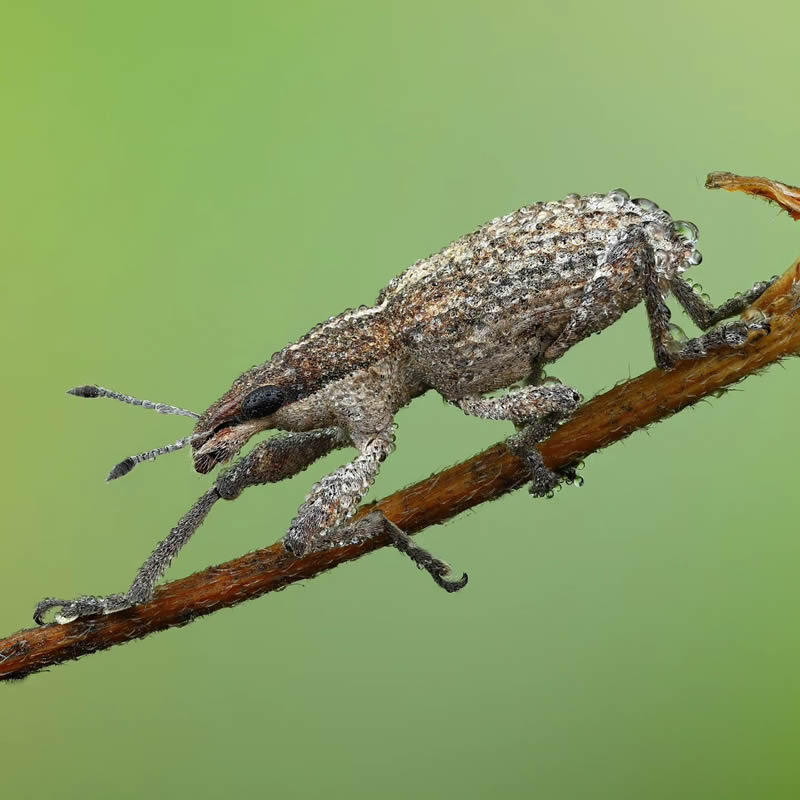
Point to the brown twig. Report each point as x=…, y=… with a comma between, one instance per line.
x=605, y=419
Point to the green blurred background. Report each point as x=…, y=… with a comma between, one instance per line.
x=188, y=186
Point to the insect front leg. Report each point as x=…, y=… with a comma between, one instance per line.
x=277, y=458
x=537, y=411
x=320, y=521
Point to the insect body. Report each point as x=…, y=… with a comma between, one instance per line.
x=488, y=311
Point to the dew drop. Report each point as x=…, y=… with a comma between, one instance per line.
x=645, y=204
x=695, y=258
x=697, y=288
x=685, y=230
x=677, y=332
x=543, y=219
x=619, y=196
x=654, y=230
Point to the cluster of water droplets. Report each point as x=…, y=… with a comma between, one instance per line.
x=665, y=228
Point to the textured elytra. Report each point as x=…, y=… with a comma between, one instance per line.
x=479, y=315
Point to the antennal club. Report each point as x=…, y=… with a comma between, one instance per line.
x=161, y=408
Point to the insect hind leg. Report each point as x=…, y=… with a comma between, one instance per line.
x=537, y=411
x=668, y=350
x=703, y=313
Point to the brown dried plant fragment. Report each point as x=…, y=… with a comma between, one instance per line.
x=787, y=197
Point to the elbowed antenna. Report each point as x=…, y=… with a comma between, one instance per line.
x=126, y=465
x=99, y=391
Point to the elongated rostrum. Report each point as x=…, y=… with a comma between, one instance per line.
x=487, y=312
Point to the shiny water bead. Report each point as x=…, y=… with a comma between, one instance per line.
x=697, y=288
x=677, y=332
x=645, y=204
x=619, y=196
x=573, y=200
x=686, y=230
x=695, y=258
x=654, y=230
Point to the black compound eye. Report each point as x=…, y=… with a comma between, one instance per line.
x=262, y=402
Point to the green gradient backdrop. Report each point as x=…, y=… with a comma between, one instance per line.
x=188, y=186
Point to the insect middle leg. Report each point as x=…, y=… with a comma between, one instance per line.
x=537, y=411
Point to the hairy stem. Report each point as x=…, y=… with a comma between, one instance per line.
x=605, y=419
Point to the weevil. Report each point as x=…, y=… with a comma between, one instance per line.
x=486, y=313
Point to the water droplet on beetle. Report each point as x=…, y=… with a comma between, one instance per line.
x=677, y=332
x=619, y=196
x=543, y=219
x=685, y=230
